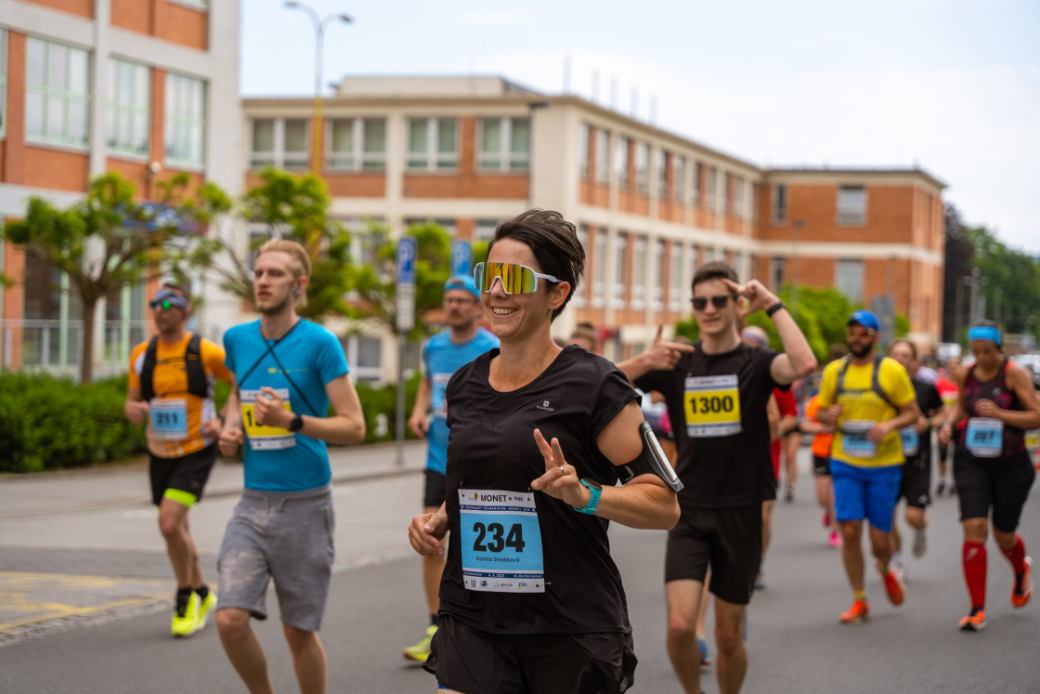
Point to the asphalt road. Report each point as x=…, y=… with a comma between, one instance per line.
x=376, y=608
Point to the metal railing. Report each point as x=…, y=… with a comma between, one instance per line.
x=55, y=346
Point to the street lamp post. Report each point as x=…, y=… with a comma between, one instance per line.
x=319, y=64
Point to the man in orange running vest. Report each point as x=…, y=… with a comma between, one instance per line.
x=171, y=388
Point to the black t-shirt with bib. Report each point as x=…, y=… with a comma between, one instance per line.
x=723, y=450
x=491, y=446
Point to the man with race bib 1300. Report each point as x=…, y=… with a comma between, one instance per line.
x=868, y=399
x=717, y=392
x=442, y=355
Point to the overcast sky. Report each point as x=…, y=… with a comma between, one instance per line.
x=951, y=85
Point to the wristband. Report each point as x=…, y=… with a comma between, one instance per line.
x=774, y=308
x=594, y=491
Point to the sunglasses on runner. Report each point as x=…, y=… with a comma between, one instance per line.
x=701, y=302
x=516, y=279
x=858, y=331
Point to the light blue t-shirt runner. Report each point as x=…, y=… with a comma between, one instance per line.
x=298, y=367
x=441, y=358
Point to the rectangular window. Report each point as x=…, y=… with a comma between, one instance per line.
x=485, y=230
x=780, y=204
x=738, y=196
x=621, y=162
x=599, y=272
x=698, y=182
x=660, y=267
x=661, y=165
x=679, y=178
x=639, y=273
x=620, y=271
x=129, y=92
x=852, y=205
x=602, y=155
x=57, y=93
x=185, y=120
x=849, y=279
x=505, y=144
x=776, y=274
x=583, y=238
x=675, y=279
x=3, y=81
x=709, y=194
x=356, y=144
x=643, y=167
x=432, y=144
x=281, y=142
x=584, y=135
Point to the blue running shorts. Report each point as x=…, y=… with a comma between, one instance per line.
x=866, y=492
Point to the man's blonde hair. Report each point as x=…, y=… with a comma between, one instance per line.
x=301, y=259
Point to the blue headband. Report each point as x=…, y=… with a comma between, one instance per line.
x=173, y=297
x=985, y=332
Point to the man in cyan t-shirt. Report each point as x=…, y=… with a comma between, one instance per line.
x=442, y=355
x=287, y=372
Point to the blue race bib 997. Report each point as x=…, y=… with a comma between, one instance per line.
x=501, y=541
x=984, y=437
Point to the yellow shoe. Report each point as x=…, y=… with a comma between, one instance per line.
x=420, y=651
x=185, y=620
x=205, y=608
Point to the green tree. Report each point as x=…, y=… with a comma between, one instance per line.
x=1012, y=281
x=294, y=208
x=376, y=282
x=109, y=239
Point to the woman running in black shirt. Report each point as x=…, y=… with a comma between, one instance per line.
x=531, y=600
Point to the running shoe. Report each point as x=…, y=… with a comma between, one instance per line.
x=859, y=612
x=893, y=586
x=898, y=566
x=206, y=607
x=826, y=521
x=789, y=494
x=760, y=581
x=185, y=617
x=420, y=651
x=835, y=539
x=920, y=543
x=976, y=621
x=1023, y=589
x=705, y=652
x=941, y=487
x=952, y=488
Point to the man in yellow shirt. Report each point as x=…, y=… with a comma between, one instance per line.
x=171, y=387
x=867, y=398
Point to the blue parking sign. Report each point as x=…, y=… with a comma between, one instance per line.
x=407, y=250
x=461, y=258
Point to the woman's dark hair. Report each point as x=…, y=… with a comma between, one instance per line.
x=553, y=241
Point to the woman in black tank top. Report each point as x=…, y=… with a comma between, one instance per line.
x=991, y=465
x=530, y=599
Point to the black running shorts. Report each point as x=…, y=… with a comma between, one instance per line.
x=435, y=490
x=916, y=483
x=821, y=467
x=468, y=660
x=729, y=540
x=187, y=474
x=1001, y=483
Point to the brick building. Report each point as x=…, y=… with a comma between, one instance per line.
x=148, y=88
x=651, y=205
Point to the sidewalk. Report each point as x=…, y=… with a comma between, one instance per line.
x=71, y=491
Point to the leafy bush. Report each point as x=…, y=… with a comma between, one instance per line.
x=383, y=401
x=48, y=423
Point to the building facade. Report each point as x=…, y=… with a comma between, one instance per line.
x=651, y=206
x=148, y=88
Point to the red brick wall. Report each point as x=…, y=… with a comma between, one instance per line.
x=464, y=227
x=670, y=211
x=14, y=298
x=633, y=203
x=83, y=8
x=133, y=15
x=135, y=172
x=55, y=169
x=180, y=24
x=889, y=217
x=595, y=194
x=348, y=185
x=14, y=144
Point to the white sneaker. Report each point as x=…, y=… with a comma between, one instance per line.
x=898, y=566
x=920, y=543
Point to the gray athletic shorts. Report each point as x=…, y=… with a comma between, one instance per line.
x=286, y=536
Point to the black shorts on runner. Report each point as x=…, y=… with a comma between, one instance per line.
x=469, y=660
x=187, y=474
x=916, y=483
x=436, y=489
x=1001, y=483
x=729, y=540
x=944, y=451
x=821, y=467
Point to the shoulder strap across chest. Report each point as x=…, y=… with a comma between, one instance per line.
x=198, y=384
x=875, y=380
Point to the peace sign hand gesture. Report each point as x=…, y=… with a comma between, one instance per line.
x=560, y=480
x=757, y=296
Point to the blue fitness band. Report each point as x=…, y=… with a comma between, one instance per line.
x=590, y=508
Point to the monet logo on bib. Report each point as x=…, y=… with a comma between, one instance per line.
x=169, y=419
x=712, y=406
x=501, y=541
x=262, y=437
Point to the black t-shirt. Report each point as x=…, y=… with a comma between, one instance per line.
x=491, y=446
x=930, y=402
x=732, y=469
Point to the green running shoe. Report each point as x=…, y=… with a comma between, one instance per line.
x=185, y=618
x=420, y=651
x=205, y=608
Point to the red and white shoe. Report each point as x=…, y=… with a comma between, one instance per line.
x=1023, y=590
